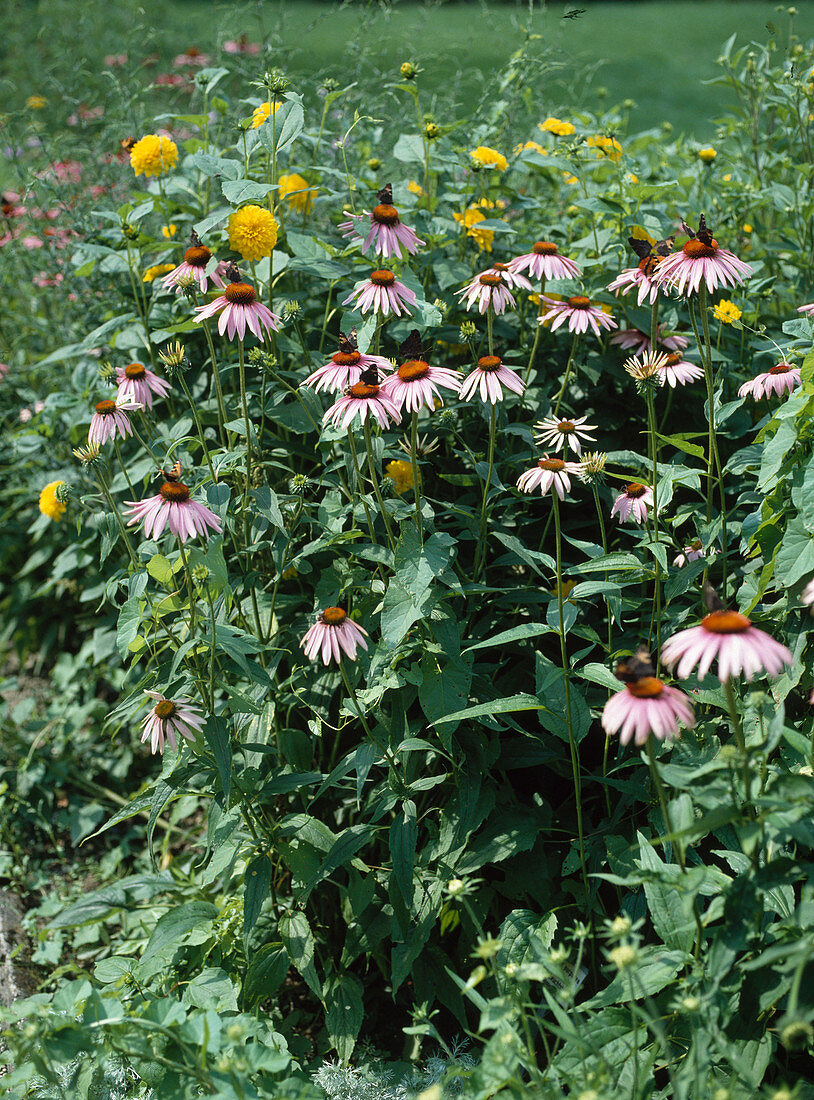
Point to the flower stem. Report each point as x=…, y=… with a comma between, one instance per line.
x=124, y=468
x=567, y=374
x=216, y=380
x=416, y=483
x=198, y=426
x=536, y=337
x=112, y=505
x=359, y=488
x=651, y=420
x=480, y=563
x=372, y=468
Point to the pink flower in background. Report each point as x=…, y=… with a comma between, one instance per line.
x=239, y=309
x=192, y=58
x=806, y=309
x=386, y=233
x=173, y=80
x=644, y=707
x=633, y=339
x=333, y=635
x=417, y=383
x=241, y=45
x=43, y=279
x=345, y=367
x=730, y=638
x=561, y=432
x=632, y=277
x=490, y=376
x=545, y=262
x=676, y=371
x=3, y=370
x=139, y=384
x=382, y=293
x=493, y=289
x=690, y=553
x=776, y=381
x=807, y=595
x=549, y=474
x=172, y=507
x=193, y=266
x=362, y=400
x=701, y=259
x=578, y=312
x=110, y=419
x=170, y=717
x=633, y=503
x=114, y=60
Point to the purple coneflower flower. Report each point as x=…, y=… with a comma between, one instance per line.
x=416, y=383
x=169, y=717
x=239, y=309
x=633, y=503
x=806, y=309
x=700, y=258
x=646, y=706
x=633, y=339
x=140, y=384
x=363, y=400
x=171, y=507
x=332, y=635
x=193, y=266
x=493, y=287
x=383, y=293
x=632, y=277
x=549, y=473
x=387, y=232
x=678, y=371
x=729, y=636
x=561, y=433
x=544, y=262
x=491, y=374
x=777, y=380
x=110, y=419
x=578, y=312
x=690, y=553
x=345, y=367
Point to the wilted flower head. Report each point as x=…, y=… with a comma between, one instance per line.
x=646, y=366
x=592, y=467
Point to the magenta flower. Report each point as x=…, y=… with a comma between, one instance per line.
x=332, y=635
x=491, y=374
x=171, y=507
x=345, y=367
x=387, y=232
x=544, y=262
x=777, y=380
x=493, y=288
x=363, y=400
x=701, y=258
x=578, y=312
x=678, y=371
x=382, y=293
x=548, y=474
x=633, y=503
x=561, y=433
x=690, y=553
x=644, y=707
x=193, y=267
x=170, y=717
x=239, y=309
x=140, y=384
x=110, y=419
x=241, y=45
x=633, y=339
x=416, y=383
x=731, y=638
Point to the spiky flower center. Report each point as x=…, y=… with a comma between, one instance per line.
x=553, y=464
x=346, y=358
x=566, y=426
x=362, y=389
x=165, y=709
x=413, y=369
x=135, y=370
x=646, y=688
x=333, y=616
x=489, y=362
x=106, y=408
x=491, y=278
x=781, y=368
x=382, y=278
x=197, y=256
x=725, y=622
x=240, y=294
x=544, y=248
x=697, y=250
x=174, y=492
x=385, y=214
x=579, y=302
x=635, y=490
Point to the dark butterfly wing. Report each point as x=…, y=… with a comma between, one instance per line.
x=411, y=348
x=643, y=249
x=370, y=375
x=665, y=247
x=386, y=195
x=687, y=230
x=348, y=344
x=631, y=669
x=172, y=475
x=704, y=235
x=712, y=601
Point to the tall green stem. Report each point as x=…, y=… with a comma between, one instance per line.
x=536, y=338
x=359, y=487
x=374, y=478
x=480, y=563
x=112, y=505
x=651, y=420
x=568, y=369
x=198, y=426
x=216, y=379
x=416, y=481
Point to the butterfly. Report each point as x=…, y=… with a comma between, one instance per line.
x=703, y=235
x=712, y=601
x=172, y=475
x=385, y=196
x=126, y=144
x=650, y=254
x=411, y=347
x=638, y=667
x=348, y=344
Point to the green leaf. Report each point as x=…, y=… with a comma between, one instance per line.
x=516, y=634
x=299, y=942
x=795, y=558
x=403, y=839
x=671, y=909
x=267, y=504
x=508, y=705
x=653, y=970
x=257, y=880
x=171, y=931
x=213, y=989
x=160, y=569
x=524, y=935
x=238, y=192
x=343, y=1013
x=216, y=732
x=265, y=974
x=344, y=848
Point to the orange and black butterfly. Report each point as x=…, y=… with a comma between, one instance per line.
x=172, y=475
x=385, y=196
x=650, y=254
x=703, y=235
x=631, y=669
x=126, y=144
x=348, y=344
x=411, y=348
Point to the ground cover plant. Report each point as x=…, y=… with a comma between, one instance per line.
x=408, y=684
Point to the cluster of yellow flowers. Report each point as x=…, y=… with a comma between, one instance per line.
x=152, y=273
x=489, y=158
x=557, y=127
x=469, y=219
x=252, y=232
x=727, y=312
x=401, y=474
x=296, y=192
x=153, y=155
x=49, y=505
x=262, y=113
x=605, y=146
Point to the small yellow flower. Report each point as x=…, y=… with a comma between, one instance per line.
x=727, y=178
x=252, y=232
x=569, y=179
x=415, y=188
x=401, y=474
x=605, y=146
x=36, y=103
x=482, y=237
x=534, y=145
x=747, y=228
x=727, y=312
x=169, y=230
x=153, y=155
x=631, y=177
x=556, y=126
x=153, y=272
x=707, y=155
x=261, y=114
x=296, y=192
x=489, y=158
x=49, y=505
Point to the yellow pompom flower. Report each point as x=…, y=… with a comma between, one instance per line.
x=533, y=145
x=262, y=113
x=727, y=312
x=747, y=228
x=414, y=187
x=49, y=505
x=489, y=158
x=401, y=474
x=707, y=155
x=605, y=146
x=296, y=192
x=153, y=272
x=252, y=232
x=469, y=219
x=557, y=127
x=169, y=230
x=36, y=102
x=153, y=155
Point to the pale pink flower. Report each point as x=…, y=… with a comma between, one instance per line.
x=3, y=370
x=730, y=637
x=633, y=503
x=112, y=60
x=806, y=309
x=332, y=635
x=170, y=717
x=141, y=384
x=171, y=507
x=239, y=309
x=191, y=58
x=25, y=415
x=193, y=266
x=578, y=312
x=701, y=258
x=633, y=339
x=241, y=45
x=563, y=433
x=644, y=707
x=632, y=277
x=678, y=371
x=493, y=289
x=386, y=231
x=382, y=293
x=417, y=383
x=549, y=474
x=807, y=595
x=777, y=380
x=110, y=419
x=362, y=400
x=690, y=553
x=545, y=262
x=491, y=375
x=345, y=367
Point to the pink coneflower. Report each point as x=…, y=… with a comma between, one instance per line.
x=193, y=266
x=383, y=293
x=731, y=638
x=777, y=380
x=3, y=370
x=807, y=595
x=239, y=309
x=363, y=400
x=633, y=503
x=416, y=383
x=171, y=507
x=110, y=419
x=548, y=474
x=633, y=339
x=387, y=233
x=192, y=58
x=632, y=277
x=332, y=635
x=700, y=258
x=493, y=288
x=677, y=371
x=645, y=706
x=690, y=553
x=578, y=312
x=345, y=367
x=650, y=256
x=491, y=374
x=544, y=262
x=170, y=717
x=241, y=45
x=806, y=309
x=561, y=433
x=141, y=384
